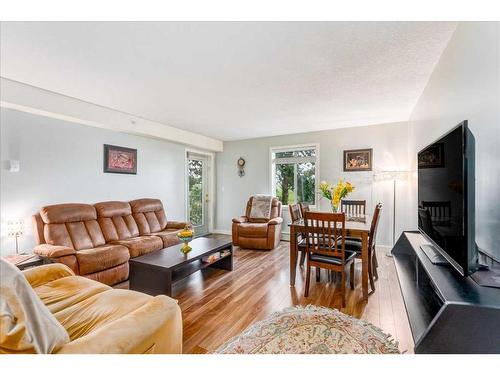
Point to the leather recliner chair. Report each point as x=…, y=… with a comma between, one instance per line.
x=258, y=234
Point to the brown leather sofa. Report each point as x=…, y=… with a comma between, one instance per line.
x=258, y=233
x=96, y=241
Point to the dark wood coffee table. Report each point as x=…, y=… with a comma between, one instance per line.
x=155, y=273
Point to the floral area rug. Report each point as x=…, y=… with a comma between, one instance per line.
x=310, y=330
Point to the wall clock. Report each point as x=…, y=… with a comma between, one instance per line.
x=241, y=167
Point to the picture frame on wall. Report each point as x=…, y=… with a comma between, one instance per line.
x=358, y=160
x=119, y=159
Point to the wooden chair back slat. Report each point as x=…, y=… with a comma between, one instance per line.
x=323, y=232
x=303, y=208
x=295, y=213
x=353, y=207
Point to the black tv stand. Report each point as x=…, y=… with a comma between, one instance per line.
x=448, y=313
x=433, y=254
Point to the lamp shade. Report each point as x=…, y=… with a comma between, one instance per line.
x=15, y=228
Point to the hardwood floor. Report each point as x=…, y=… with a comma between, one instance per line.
x=217, y=305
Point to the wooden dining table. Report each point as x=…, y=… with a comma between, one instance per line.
x=355, y=227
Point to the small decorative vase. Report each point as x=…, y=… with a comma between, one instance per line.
x=186, y=248
x=334, y=208
x=186, y=235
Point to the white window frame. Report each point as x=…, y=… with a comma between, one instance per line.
x=272, y=163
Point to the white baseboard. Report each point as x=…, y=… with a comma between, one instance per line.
x=222, y=231
x=384, y=248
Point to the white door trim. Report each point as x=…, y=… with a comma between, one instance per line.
x=211, y=184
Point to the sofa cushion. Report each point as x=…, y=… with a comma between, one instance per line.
x=59, y=294
x=275, y=211
x=141, y=245
x=252, y=230
x=116, y=221
x=149, y=215
x=101, y=258
x=168, y=236
x=146, y=205
x=67, y=213
x=98, y=310
x=73, y=225
x=53, y=251
x=118, y=227
x=111, y=276
x=77, y=235
x=112, y=208
x=26, y=325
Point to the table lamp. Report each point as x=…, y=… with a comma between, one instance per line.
x=15, y=229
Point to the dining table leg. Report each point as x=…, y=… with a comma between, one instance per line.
x=293, y=255
x=364, y=265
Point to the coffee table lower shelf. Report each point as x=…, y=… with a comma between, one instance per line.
x=156, y=279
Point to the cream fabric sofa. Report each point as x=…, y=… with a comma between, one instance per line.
x=98, y=318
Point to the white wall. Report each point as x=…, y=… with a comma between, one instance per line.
x=390, y=152
x=31, y=99
x=465, y=85
x=63, y=162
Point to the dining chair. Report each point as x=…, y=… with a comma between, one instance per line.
x=295, y=215
x=354, y=244
x=425, y=221
x=325, y=245
x=440, y=211
x=353, y=207
x=303, y=208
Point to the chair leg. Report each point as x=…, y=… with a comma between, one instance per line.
x=302, y=258
x=318, y=274
x=342, y=287
x=308, y=276
x=375, y=260
x=375, y=264
x=351, y=276
x=370, y=274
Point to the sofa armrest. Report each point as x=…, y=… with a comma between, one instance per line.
x=275, y=221
x=53, y=251
x=155, y=327
x=49, y=272
x=178, y=224
x=239, y=220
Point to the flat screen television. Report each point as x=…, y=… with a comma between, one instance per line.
x=446, y=199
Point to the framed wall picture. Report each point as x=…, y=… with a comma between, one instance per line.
x=432, y=157
x=120, y=160
x=358, y=160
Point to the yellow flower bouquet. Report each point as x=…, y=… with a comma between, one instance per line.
x=335, y=193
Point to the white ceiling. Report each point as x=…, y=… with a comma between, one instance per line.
x=233, y=80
